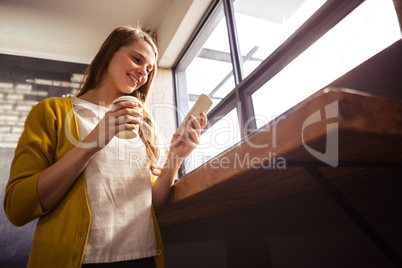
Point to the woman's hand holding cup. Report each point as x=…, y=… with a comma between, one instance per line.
x=129, y=121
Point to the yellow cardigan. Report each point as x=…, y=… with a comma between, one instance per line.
x=61, y=234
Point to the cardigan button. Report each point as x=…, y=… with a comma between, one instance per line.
x=159, y=252
x=85, y=216
x=75, y=259
x=80, y=236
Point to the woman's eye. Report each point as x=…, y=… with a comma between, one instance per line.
x=137, y=60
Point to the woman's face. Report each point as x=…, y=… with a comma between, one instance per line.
x=129, y=67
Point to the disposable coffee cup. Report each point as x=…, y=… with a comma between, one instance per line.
x=128, y=134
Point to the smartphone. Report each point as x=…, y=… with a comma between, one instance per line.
x=202, y=104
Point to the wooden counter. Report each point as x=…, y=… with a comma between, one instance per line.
x=273, y=162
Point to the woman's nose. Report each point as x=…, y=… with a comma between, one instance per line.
x=141, y=71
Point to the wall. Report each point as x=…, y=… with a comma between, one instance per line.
x=24, y=82
x=161, y=105
x=303, y=230
x=380, y=75
x=398, y=8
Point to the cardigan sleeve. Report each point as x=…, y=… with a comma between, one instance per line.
x=34, y=153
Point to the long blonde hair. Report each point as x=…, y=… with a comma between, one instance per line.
x=120, y=37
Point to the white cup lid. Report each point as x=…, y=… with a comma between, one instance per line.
x=127, y=98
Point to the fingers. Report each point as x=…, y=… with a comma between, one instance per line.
x=194, y=134
x=126, y=112
x=193, y=128
x=199, y=122
x=194, y=124
x=203, y=120
x=125, y=115
x=177, y=139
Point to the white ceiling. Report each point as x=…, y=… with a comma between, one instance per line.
x=73, y=30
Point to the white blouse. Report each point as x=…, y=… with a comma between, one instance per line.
x=118, y=184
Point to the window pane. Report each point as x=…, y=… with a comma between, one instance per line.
x=369, y=29
x=263, y=26
x=207, y=68
x=222, y=135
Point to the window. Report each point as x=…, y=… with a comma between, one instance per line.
x=207, y=67
x=262, y=26
x=366, y=31
x=258, y=58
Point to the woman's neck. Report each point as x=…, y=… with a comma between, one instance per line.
x=100, y=97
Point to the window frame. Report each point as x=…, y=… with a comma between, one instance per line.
x=323, y=20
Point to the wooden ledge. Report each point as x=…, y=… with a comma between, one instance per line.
x=269, y=163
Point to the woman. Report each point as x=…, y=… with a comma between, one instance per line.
x=94, y=206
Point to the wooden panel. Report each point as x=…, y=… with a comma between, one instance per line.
x=268, y=164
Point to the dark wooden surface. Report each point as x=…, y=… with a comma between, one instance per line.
x=369, y=141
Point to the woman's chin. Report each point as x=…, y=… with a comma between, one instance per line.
x=128, y=91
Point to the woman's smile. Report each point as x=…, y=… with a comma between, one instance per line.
x=133, y=79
